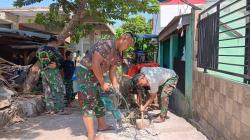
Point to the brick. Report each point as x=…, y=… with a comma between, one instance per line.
x=237, y=110
x=217, y=84
x=245, y=116
x=194, y=76
x=238, y=88
x=229, y=89
x=215, y=122
x=216, y=98
x=221, y=128
x=229, y=106
x=228, y=121
x=216, y=112
x=244, y=132
x=207, y=80
x=219, y=137
x=210, y=107
x=235, y=128
x=203, y=82
x=206, y=91
x=211, y=94
x=199, y=77
x=221, y=116
x=210, y=131
x=222, y=101
x=222, y=86
x=246, y=96
x=211, y=81
x=226, y=133
x=203, y=123
x=205, y=115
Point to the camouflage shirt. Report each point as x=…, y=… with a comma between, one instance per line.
x=107, y=50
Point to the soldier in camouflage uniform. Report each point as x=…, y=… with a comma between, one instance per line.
x=103, y=56
x=53, y=87
x=158, y=81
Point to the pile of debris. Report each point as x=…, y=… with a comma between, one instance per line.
x=12, y=75
x=14, y=107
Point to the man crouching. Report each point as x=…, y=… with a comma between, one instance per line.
x=159, y=81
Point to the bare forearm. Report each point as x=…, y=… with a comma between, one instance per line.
x=112, y=75
x=98, y=72
x=150, y=100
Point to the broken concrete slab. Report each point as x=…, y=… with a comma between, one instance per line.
x=5, y=97
x=21, y=107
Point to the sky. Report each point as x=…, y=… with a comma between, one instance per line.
x=45, y=3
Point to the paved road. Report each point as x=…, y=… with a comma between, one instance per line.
x=70, y=127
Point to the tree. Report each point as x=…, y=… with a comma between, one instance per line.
x=137, y=25
x=72, y=14
x=102, y=10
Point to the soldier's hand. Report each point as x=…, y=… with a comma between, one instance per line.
x=105, y=87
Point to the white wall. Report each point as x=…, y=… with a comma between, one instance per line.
x=167, y=13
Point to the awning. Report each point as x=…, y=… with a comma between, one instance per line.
x=146, y=36
x=18, y=37
x=174, y=25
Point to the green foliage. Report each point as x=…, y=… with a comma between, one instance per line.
x=105, y=11
x=53, y=19
x=137, y=25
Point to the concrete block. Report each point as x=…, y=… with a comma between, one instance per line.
x=229, y=106
x=222, y=116
x=244, y=132
x=245, y=115
x=237, y=110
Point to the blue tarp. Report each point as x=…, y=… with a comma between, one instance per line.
x=146, y=36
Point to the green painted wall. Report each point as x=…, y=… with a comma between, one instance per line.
x=189, y=63
x=173, y=50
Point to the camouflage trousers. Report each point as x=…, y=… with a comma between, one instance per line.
x=54, y=90
x=70, y=95
x=89, y=93
x=163, y=94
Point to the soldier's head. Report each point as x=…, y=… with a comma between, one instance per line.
x=125, y=41
x=140, y=80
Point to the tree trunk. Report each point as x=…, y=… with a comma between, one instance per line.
x=32, y=77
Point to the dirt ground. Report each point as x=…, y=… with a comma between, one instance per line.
x=70, y=127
